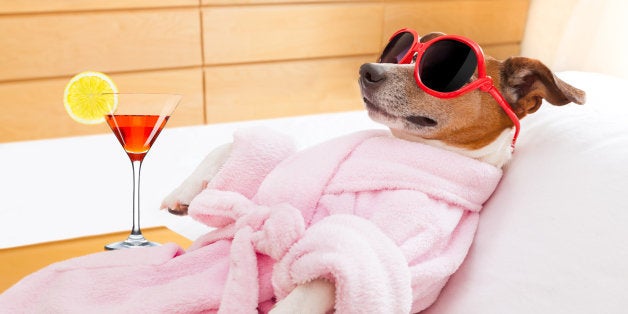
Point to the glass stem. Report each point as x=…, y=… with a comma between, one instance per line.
x=137, y=166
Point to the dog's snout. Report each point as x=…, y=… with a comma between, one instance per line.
x=372, y=73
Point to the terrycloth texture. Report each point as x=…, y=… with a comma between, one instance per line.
x=140, y=281
x=388, y=221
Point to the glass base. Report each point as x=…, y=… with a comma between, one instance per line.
x=132, y=242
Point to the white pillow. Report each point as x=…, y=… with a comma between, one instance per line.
x=554, y=236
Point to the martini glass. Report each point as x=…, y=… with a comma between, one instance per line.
x=136, y=123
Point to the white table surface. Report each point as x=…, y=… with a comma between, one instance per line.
x=71, y=187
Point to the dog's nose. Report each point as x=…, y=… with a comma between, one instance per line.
x=372, y=73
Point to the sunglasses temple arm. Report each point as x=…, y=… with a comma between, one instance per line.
x=508, y=110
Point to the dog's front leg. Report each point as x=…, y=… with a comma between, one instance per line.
x=315, y=297
x=178, y=200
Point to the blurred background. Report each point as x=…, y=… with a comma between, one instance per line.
x=253, y=59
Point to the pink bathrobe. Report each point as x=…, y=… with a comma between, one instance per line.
x=387, y=220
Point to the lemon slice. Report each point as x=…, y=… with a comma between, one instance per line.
x=89, y=96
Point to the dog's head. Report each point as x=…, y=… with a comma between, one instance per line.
x=472, y=123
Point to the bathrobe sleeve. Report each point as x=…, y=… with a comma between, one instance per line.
x=392, y=254
x=255, y=153
x=368, y=269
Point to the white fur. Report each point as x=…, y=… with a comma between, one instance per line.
x=497, y=153
x=314, y=297
x=197, y=181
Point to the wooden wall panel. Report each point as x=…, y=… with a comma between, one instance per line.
x=108, y=42
x=39, y=6
x=485, y=21
x=34, y=109
x=232, y=59
x=264, y=33
x=266, y=90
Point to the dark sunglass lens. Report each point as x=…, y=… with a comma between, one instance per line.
x=447, y=65
x=397, y=48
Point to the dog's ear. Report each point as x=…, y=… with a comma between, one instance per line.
x=427, y=37
x=525, y=82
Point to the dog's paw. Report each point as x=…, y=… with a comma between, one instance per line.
x=177, y=201
x=314, y=297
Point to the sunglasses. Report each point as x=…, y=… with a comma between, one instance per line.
x=445, y=66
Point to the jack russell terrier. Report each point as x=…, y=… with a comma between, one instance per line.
x=384, y=218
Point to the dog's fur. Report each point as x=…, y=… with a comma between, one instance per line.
x=473, y=125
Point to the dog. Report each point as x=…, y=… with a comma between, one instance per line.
x=472, y=125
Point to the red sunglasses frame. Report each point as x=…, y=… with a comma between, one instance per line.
x=483, y=82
